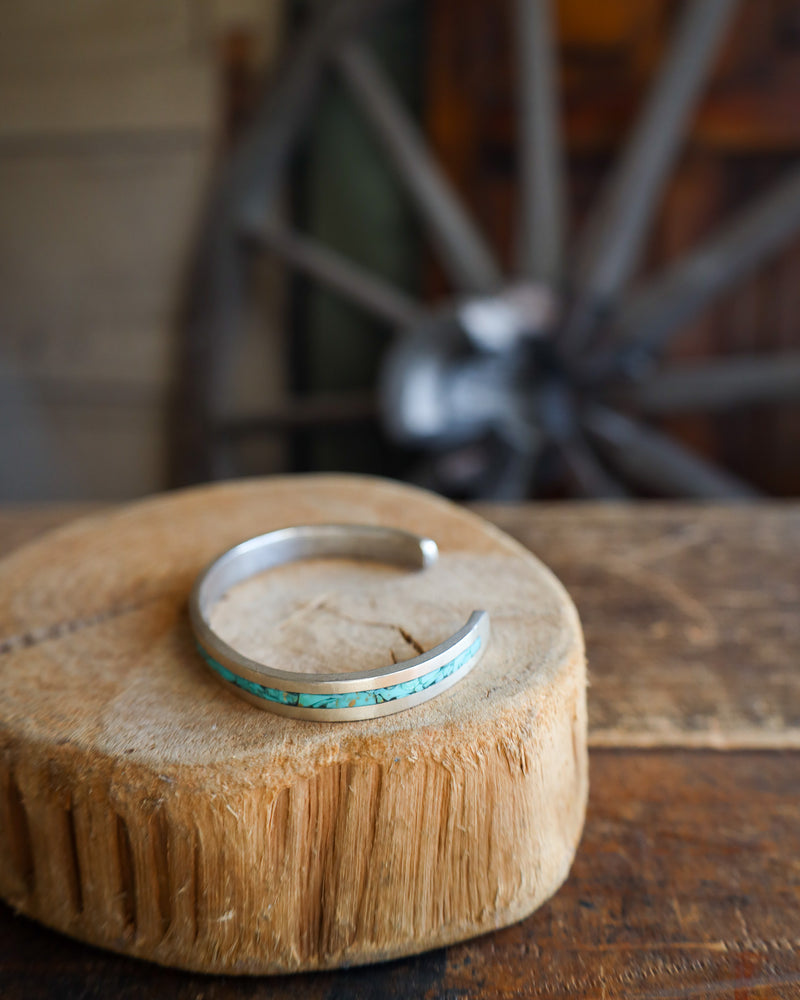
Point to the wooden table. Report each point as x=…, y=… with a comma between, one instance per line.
x=687, y=882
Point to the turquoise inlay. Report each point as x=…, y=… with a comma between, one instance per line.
x=348, y=699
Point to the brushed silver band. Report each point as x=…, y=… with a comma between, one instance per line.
x=330, y=697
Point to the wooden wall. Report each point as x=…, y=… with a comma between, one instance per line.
x=110, y=113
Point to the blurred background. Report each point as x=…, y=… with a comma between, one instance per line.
x=501, y=249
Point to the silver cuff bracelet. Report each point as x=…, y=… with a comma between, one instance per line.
x=342, y=696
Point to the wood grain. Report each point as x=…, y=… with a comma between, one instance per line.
x=685, y=885
x=112, y=116
x=22, y=523
x=93, y=242
x=94, y=31
x=147, y=809
x=686, y=881
x=690, y=615
x=689, y=612
x=176, y=96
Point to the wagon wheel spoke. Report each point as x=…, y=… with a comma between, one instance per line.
x=660, y=309
x=718, y=385
x=345, y=278
x=258, y=161
x=464, y=253
x=516, y=476
x=658, y=463
x=611, y=241
x=542, y=166
x=588, y=475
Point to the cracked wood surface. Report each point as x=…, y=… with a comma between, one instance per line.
x=690, y=613
x=686, y=882
x=145, y=808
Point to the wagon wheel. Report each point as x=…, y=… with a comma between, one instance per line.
x=561, y=358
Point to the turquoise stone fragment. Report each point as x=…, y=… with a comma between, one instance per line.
x=348, y=699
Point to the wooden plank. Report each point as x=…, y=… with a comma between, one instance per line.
x=685, y=885
x=93, y=245
x=73, y=449
x=690, y=616
x=686, y=882
x=175, y=94
x=39, y=33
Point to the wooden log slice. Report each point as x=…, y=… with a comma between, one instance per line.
x=148, y=810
